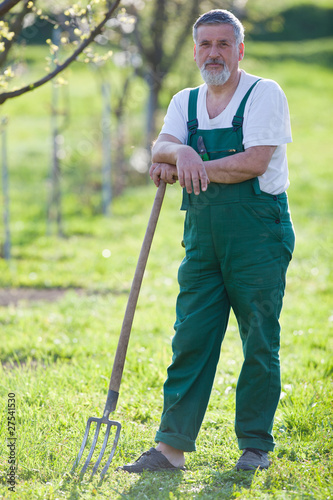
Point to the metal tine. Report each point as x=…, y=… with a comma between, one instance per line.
x=92, y=448
x=83, y=445
x=115, y=442
x=105, y=442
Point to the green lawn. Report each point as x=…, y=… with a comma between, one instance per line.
x=57, y=356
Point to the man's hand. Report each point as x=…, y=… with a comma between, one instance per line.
x=169, y=152
x=191, y=170
x=164, y=171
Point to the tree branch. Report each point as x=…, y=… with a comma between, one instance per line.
x=28, y=88
x=16, y=27
x=138, y=39
x=7, y=5
x=159, y=23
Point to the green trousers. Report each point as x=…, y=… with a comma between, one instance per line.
x=237, y=254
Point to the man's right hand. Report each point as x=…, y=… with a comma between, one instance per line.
x=164, y=171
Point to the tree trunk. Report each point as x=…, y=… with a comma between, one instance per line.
x=54, y=208
x=106, y=148
x=154, y=85
x=5, y=191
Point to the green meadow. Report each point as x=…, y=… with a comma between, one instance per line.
x=57, y=355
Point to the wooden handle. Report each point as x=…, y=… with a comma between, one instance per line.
x=119, y=360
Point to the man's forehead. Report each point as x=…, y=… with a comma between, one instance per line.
x=220, y=31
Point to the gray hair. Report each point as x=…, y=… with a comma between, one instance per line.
x=220, y=16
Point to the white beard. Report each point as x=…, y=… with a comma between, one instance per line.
x=215, y=77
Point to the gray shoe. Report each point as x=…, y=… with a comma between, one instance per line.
x=252, y=459
x=151, y=460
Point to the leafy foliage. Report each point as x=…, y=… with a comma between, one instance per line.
x=295, y=23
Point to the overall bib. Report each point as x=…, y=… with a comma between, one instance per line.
x=239, y=242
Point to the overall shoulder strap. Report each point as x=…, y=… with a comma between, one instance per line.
x=238, y=119
x=192, y=123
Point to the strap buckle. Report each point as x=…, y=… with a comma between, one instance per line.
x=237, y=122
x=192, y=126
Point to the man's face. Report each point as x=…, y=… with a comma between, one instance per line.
x=216, y=53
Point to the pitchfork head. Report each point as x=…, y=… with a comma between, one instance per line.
x=104, y=421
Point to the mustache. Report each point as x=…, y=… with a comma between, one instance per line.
x=213, y=61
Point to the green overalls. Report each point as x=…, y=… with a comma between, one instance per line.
x=239, y=242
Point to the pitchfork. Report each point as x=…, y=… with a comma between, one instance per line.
x=120, y=356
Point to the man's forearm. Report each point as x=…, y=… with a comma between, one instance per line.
x=236, y=168
x=191, y=171
x=166, y=152
x=240, y=167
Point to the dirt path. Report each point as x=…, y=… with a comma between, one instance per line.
x=10, y=296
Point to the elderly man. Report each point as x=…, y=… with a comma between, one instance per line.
x=225, y=142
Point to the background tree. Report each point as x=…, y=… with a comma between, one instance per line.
x=84, y=22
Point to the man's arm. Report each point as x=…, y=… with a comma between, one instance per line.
x=191, y=168
x=240, y=167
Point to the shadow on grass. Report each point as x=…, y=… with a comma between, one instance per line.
x=155, y=485
x=224, y=485
x=212, y=485
x=165, y=485
x=77, y=487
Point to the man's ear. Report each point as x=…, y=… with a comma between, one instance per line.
x=194, y=51
x=241, y=51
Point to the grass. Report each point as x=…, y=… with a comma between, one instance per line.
x=57, y=357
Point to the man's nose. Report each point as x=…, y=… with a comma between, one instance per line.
x=214, y=52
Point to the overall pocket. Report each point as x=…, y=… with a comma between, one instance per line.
x=269, y=215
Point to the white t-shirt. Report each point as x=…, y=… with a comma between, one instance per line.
x=266, y=123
